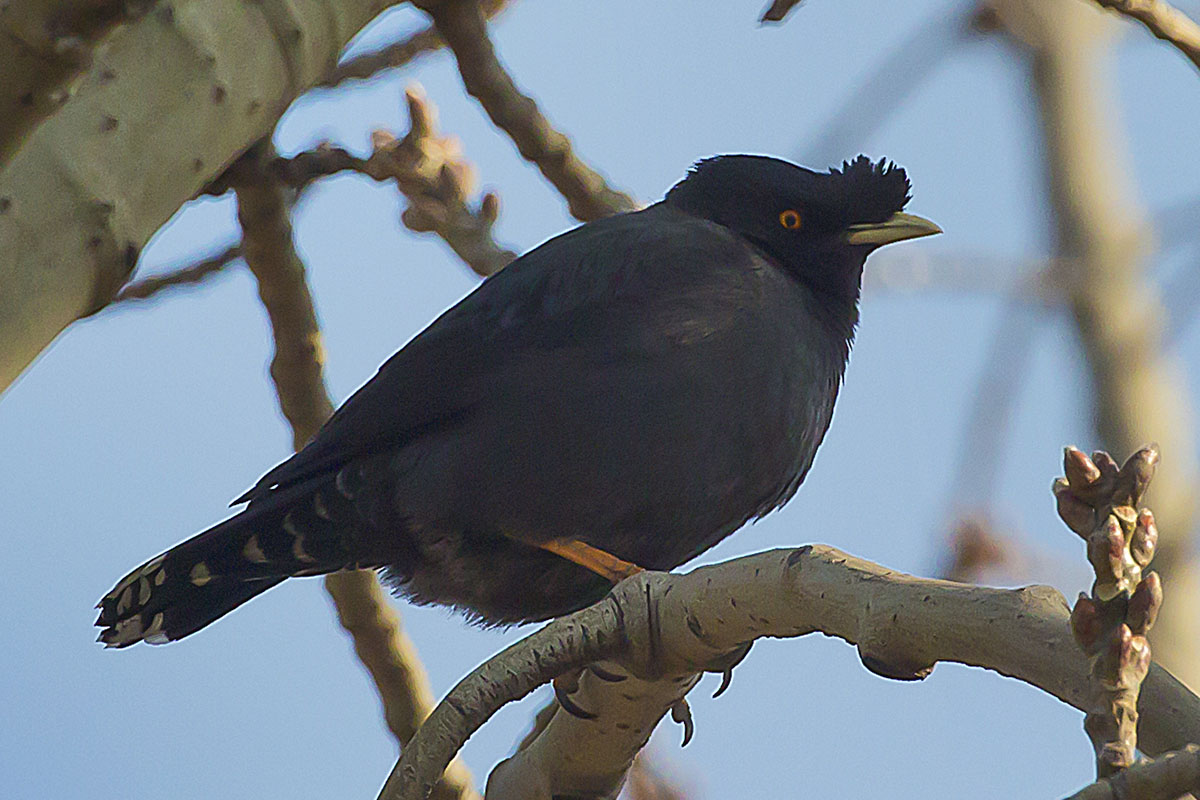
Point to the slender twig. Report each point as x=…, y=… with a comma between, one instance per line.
x=183, y=276
x=462, y=24
x=1164, y=21
x=296, y=369
x=398, y=54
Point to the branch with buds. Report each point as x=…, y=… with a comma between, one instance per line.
x=1100, y=502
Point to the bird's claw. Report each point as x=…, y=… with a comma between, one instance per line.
x=725, y=665
x=681, y=712
x=563, y=686
x=605, y=675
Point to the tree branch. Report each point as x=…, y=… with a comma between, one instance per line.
x=1137, y=390
x=296, y=369
x=1164, y=21
x=461, y=23
x=665, y=628
x=183, y=276
x=136, y=139
x=398, y=54
x=1166, y=778
x=45, y=47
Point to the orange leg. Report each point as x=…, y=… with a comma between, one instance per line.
x=603, y=564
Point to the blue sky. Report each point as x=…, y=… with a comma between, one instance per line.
x=137, y=427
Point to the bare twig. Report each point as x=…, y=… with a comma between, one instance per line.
x=296, y=369
x=183, y=276
x=1166, y=778
x=430, y=172
x=398, y=54
x=778, y=10
x=1164, y=21
x=1101, y=503
x=462, y=24
x=664, y=628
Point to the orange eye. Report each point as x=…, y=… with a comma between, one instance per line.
x=790, y=219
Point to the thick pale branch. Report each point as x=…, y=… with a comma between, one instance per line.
x=45, y=45
x=1164, y=21
x=665, y=628
x=464, y=28
x=165, y=106
x=296, y=369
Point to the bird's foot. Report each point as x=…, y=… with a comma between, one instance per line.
x=603, y=563
x=605, y=675
x=564, y=686
x=725, y=665
x=681, y=712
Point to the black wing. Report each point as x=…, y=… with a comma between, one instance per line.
x=588, y=284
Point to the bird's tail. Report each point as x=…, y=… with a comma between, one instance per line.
x=209, y=575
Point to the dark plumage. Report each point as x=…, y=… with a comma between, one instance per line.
x=645, y=383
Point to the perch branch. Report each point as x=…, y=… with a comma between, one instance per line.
x=665, y=628
x=1166, y=778
x=296, y=369
x=1164, y=21
x=464, y=28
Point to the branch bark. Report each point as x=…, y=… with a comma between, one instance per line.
x=45, y=45
x=1166, y=778
x=91, y=183
x=665, y=628
x=462, y=25
x=399, y=54
x=296, y=369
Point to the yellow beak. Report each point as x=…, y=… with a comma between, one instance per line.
x=896, y=228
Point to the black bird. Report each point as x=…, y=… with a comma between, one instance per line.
x=623, y=396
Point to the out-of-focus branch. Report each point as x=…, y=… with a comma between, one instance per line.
x=778, y=10
x=1166, y=778
x=665, y=628
x=398, y=54
x=296, y=369
x=1137, y=390
x=645, y=782
x=464, y=28
x=892, y=80
x=184, y=276
x=1164, y=21
x=975, y=550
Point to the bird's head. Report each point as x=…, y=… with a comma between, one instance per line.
x=819, y=226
